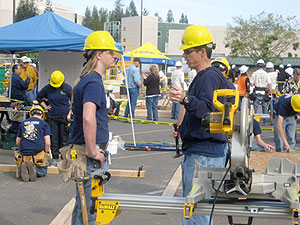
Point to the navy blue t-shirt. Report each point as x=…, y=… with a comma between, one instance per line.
x=195, y=139
x=32, y=132
x=59, y=98
x=256, y=128
x=284, y=107
x=89, y=89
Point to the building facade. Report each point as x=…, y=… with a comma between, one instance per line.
x=6, y=11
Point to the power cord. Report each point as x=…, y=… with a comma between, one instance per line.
x=217, y=192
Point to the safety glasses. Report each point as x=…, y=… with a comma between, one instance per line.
x=189, y=51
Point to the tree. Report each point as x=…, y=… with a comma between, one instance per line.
x=117, y=13
x=103, y=17
x=131, y=10
x=265, y=36
x=170, y=18
x=87, y=19
x=186, y=19
x=158, y=17
x=145, y=12
x=95, y=19
x=26, y=10
x=48, y=7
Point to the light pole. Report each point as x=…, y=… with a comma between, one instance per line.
x=141, y=34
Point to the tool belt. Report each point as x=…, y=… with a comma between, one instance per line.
x=74, y=162
x=260, y=91
x=39, y=159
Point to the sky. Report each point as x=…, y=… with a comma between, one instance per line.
x=209, y=12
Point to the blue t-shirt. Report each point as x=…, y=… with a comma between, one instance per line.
x=284, y=107
x=256, y=128
x=59, y=98
x=195, y=139
x=89, y=89
x=32, y=132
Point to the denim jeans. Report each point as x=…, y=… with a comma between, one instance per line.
x=133, y=96
x=264, y=105
x=162, y=85
x=58, y=138
x=29, y=96
x=77, y=211
x=289, y=129
x=117, y=107
x=272, y=104
x=40, y=171
x=175, y=110
x=188, y=166
x=151, y=105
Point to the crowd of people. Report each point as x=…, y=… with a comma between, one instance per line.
x=86, y=106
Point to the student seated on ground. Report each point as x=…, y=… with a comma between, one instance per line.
x=111, y=104
x=260, y=144
x=33, y=137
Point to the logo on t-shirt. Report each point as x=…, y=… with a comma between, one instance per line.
x=30, y=132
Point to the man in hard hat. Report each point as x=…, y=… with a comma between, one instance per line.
x=292, y=85
x=233, y=73
x=282, y=77
x=243, y=82
x=285, y=111
x=27, y=69
x=18, y=85
x=133, y=76
x=289, y=70
x=223, y=65
x=177, y=80
x=262, y=83
x=207, y=148
x=33, y=137
x=273, y=76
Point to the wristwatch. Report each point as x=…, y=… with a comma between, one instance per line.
x=185, y=101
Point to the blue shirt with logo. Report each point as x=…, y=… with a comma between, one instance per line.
x=89, y=89
x=59, y=98
x=284, y=107
x=32, y=132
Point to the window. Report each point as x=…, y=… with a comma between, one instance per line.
x=124, y=39
x=124, y=28
x=159, y=33
x=167, y=33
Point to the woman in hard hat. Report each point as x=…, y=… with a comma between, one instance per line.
x=152, y=92
x=90, y=122
x=58, y=94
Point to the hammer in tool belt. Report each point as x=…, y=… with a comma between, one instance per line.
x=79, y=182
x=178, y=153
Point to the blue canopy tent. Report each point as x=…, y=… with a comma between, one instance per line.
x=44, y=32
x=58, y=41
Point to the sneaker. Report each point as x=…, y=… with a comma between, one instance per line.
x=31, y=171
x=24, y=172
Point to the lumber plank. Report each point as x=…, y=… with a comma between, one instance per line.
x=65, y=214
x=54, y=170
x=174, y=183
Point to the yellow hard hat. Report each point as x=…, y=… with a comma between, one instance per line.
x=223, y=61
x=194, y=36
x=100, y=40
x=38, y=108
x=57, y=78
x=295, y=102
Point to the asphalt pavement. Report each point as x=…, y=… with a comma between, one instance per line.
x=37, y=203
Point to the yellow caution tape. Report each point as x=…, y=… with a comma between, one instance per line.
x=139, y=120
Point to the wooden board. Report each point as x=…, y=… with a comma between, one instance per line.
x=174, y=183
x=65, y=215
x=54, y=170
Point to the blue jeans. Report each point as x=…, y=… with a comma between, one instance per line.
x=289, y=128
x=264, y=105
x=133, y=96
x=40, y=171
x=77, y=212
x=29, y=96
x=272, y=104
x=59, y=138
x=188, y=166
x=175, y=110
x=162, y=85
x=151, y=105
x=117, y=107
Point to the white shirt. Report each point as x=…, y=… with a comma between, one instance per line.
x=177, y=78
x=260, y=78
x=273, y=77
x=108, y=100
x=192, y=75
